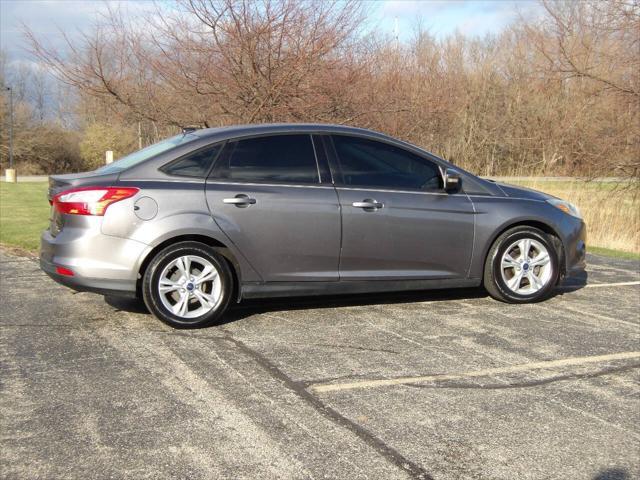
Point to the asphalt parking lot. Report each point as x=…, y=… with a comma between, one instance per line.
x=418, y=385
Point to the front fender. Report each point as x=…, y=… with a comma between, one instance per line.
x=497, y=214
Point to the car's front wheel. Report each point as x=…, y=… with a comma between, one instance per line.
x=522, y=266
x=187, y=285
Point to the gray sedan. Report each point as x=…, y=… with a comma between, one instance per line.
x=213, y=216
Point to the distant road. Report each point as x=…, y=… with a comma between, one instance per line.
x=561, y=179
x=29, y=178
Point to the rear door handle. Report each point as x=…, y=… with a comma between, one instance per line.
x=368, y=204
x=241, y=200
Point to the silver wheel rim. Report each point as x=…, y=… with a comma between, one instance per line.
x=190, y=286
x=526, y=266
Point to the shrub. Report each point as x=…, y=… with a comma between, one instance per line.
x=100, y=137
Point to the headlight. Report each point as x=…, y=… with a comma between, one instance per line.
x=566, y=207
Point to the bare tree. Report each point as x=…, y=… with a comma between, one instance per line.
x=593, y=47
x=213, y=62
x=594, y=40
x=556, y=95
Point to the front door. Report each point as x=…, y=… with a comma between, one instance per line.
x=265, y=194
x=397, y=222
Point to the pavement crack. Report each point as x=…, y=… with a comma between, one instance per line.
x=351, y=347
x=42, y=325
x=189, y=335
x=322, y=381
x=386, y=451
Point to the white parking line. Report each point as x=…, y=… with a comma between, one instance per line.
x=598, y=285
x=619, y=284
x=567, y=362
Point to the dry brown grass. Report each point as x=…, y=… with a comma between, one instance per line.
x=610, y=210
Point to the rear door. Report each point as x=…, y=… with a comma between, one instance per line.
x=266, y=194
x=397, y=221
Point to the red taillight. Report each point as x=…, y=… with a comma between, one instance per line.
x=64, y=271
x=90, y=200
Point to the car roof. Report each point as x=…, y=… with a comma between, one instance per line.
x=220, y=134
x=266, y=128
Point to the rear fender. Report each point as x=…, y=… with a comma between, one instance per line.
x=172, y=229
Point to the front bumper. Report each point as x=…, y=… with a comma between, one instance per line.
x=575, y=245
x=100, y=263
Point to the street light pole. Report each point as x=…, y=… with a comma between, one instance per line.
x=11, y=173
x=10, y=127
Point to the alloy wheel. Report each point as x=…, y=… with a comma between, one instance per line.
x=190, y=286
x=526, y=266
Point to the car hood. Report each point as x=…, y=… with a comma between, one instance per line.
x=523, y=192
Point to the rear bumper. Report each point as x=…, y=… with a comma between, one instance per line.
x=116, y=288
x=100, y=263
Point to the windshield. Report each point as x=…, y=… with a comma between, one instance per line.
x=146, y=153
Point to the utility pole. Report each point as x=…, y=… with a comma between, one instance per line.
x=11, y=173
x=396, y=33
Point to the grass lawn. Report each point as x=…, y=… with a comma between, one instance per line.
x=607, y=252
x=612, y=220
x=24, y=214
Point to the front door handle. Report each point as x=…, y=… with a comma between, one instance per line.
x=368, y=204
x=241, y=200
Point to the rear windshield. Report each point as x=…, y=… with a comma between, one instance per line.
x=146, y=153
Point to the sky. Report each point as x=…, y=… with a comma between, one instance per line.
x=441, y=17
x=48, y=17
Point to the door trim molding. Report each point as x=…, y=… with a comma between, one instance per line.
x=347, y=287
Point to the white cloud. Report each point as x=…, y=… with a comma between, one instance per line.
x=47, y=18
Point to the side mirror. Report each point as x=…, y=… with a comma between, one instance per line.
x=452, y=180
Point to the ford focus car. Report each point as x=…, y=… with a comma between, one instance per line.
x=213, y=216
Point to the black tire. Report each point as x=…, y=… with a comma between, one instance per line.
x=493, y=280
x=150, y=284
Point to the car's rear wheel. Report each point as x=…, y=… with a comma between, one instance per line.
x=187, y=285
x=522, y=266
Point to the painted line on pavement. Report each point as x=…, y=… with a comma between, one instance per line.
x=567, y=362
x=618, y=284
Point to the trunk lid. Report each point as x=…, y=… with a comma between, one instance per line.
x=60, y=183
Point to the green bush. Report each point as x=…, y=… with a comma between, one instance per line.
x=100, y=137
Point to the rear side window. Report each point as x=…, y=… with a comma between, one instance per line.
x=369, y=163
x=147, y=153
x=194, y=164
x=278, y=159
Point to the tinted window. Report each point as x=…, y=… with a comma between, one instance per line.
x=146, y=153
x=368, y=163
x=280, y=158
x=195, y=164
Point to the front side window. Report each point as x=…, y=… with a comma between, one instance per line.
x=278, y=159
x=369, y=163
x=194, y=164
